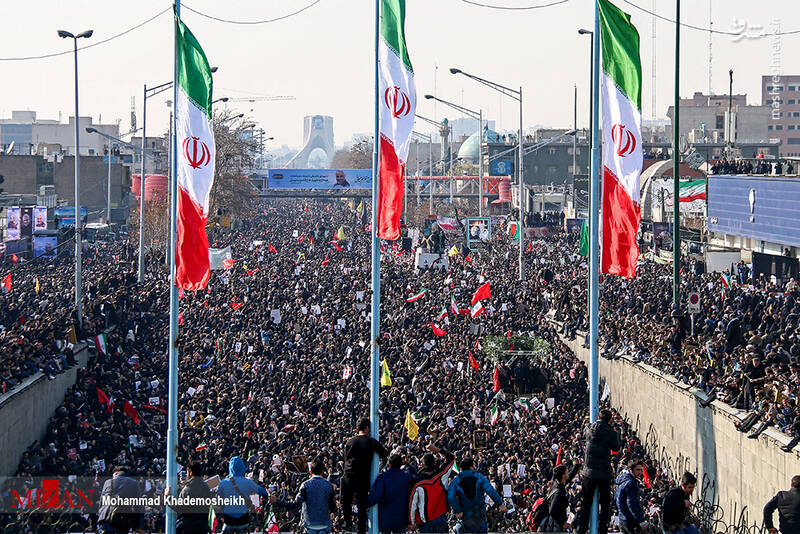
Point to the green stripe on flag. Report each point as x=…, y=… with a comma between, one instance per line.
x=194, y=72
x=621, y=51
x=393, y=15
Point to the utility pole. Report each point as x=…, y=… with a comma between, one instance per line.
x=676, y=158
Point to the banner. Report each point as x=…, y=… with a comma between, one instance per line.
x=447, y=224
x=479, y=230
x=12, y=223
x=26, y=222
x=65, y=215
x=45, y=246
x=39, y=218
x=320, y=179
x=217, y=255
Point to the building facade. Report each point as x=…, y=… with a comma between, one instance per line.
x=782, y=95
x=31, y=135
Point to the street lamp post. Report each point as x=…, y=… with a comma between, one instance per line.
x=516, y=95
x=474, y=115
x=590, y=33
x=78, y=239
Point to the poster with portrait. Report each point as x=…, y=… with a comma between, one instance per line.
x=478, y=231
x=12, y=223
x=44, y=246
x=39, y=218
x=26, y=221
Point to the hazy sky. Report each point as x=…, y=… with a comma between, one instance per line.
x=324, y=57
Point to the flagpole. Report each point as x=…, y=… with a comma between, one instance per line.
x=172, y=399
x=594, y=239
x=375, y=318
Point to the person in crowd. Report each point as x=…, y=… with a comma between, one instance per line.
x=556, y=503
x=429, y=504
x=358, y=454
x=120, y=518
x=466, y=496
x=192, y=519
x=675, y=511
x=317, y=498
x=601, y=441
x=631, y=517
x=788, y=505
x=390, y=492
x=237, y=517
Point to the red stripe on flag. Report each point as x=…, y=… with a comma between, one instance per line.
x=191, y=258
x=620, y=225
x=390, y=192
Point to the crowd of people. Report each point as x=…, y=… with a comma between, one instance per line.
x=274, y=362
x=747, y=166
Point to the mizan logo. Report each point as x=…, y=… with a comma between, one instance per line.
x=196, y=152
x=624, y=140
x=397, y=102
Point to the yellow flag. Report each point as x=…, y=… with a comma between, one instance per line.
x=453, y=251
x=386, y=376
x=73, y=338
x=37, y=284
x=340, y=234
x=411, y=426
x=360, y=207
x=352, y=204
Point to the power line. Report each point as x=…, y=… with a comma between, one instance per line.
x=692, y=27
x=252, y=22
x=511, y=8
x=98, y=43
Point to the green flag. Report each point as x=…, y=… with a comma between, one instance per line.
x=583, y=248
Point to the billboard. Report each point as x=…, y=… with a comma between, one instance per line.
x=501, y=167
x=12, y=223
x=320, y=179
x=662, y=191
x=26, y=221
x=39, y=218
x=66, y=215
x=45, y=246
x=763, y=208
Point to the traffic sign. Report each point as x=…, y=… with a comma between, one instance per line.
x=694, y=303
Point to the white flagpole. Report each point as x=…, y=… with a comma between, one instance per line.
x=172, y=399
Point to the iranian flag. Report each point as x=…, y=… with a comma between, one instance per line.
x=621, y=82
x=442, y=314
x=195, y=161
x=101, y=344
x=693, y=190
x=495, y=416
x=416, y=297
x=397, y=100
x=271, y=525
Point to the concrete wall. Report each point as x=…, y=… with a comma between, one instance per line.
x=25, y=411
x=733, y=471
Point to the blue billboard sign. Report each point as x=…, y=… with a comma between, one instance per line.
x=501, y=167
x=320, y=179
x=66, y=215
x=763, y=208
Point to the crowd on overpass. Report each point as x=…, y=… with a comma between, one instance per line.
x=274, y=359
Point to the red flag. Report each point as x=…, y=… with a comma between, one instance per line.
x=272, y=249
x=251, y=272
x=477, y=345
x=102, y=398
x=7, y=282
x=180, y=318
x=14, y=258
x=301, y=238
x=336, y=245
x=436, y=330
x=236, y=305
x=508, y=333
x=496, y=379
x=530, y=247
x=468, y=258
x=472, y=361
x=646, y=477
x=180, y=293
x=326, y=260
x=483, y=292
x=130, y=411
x=558, y=458
x=228, y=264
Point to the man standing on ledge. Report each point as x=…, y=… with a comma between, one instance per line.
x=788, y=505
x=358, y=453
x=601, y=441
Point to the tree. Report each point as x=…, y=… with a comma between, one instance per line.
x=358, y=156
x=232, y=192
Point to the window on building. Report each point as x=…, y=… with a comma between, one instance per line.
x=792, y=88
x=769, y=88
x=793, y=141
x=769, y=128
x=779, y=127
x=796, y=114
x=552, y=151
x=790, y=127
x=552, y=170
x=720, y=122
x=790, y=102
